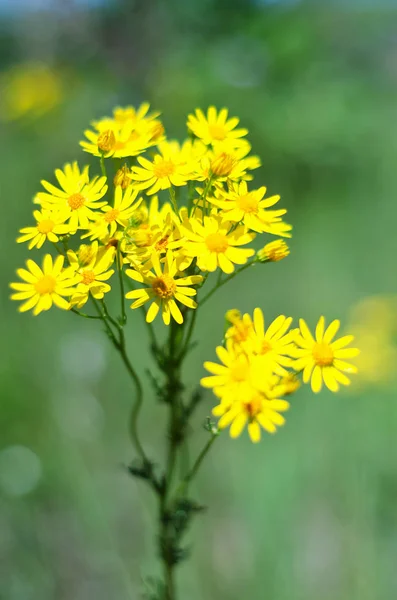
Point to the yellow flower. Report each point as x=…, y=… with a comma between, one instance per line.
x=29, y=89
x=164, y=288
x=322, y=359
x=256, y=409
x=43, y=287
x=91, y=265
x=124, y=207
x=129, y=133
x=122, y=177
x=241, y=329
x=77, y=198
x=167, y=168
x=273, y=252
x=215, y=127
x=226, y=162
x=240, y=205
x=237, y=377
x=49, y=225
x=275, y=344
x=215, y=243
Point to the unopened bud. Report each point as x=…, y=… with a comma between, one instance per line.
x=106, y=141
x=122, y=177
x=223, y=164
x=273, y=252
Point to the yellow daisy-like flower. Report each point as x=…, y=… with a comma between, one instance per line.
x=164, y=288
x=45, y=286
x=239, y=375
x=49, y=225
x=114, y=216
x=257, y=410
x=240, y=205
x=78, y=197
x=275, y=344
x=322, y=359
x=129, y=133
x=167, y=168
x=226, y=162
x=91, y=265
x=216, y=244
x=215, y=127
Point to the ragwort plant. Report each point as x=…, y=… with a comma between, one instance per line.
x=170, y=215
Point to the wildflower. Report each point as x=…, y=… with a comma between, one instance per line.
x=91, y=264
x=129, y=133
x=226, y=162
x=240, y=205
x=49, y=225
x=273, y=252
x=237, y=377
x=241, y=328
x=29, y=89
x=45, y=286
x=275, y=344
x=258, y=410
x=215, y=127
x=321, y=359
x=106, y=224
x=122, y=177
x=77, y=198
x=164, y=288
x=167, y=168
x=216, y=244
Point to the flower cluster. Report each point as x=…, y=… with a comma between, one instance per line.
x=261, y=365
x=167, y=213
x=164, y=222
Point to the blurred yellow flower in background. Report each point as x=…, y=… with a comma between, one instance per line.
x=29, y=89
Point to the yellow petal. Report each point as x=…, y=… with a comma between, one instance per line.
x=317, y=380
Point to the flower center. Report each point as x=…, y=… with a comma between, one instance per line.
x=106, y=141
x=88, y=276
x=248, y=203
x=322, y=354
x=76, y=201
x=163, y=168
x=223, y=164
x=164, y=286
x=217, y=132
x=161, y=244
x=217, y=242
x=253, y=407
x=239, y=371
x=111, y=215
x=265, y=347
x=45, y=285
x=45, y=226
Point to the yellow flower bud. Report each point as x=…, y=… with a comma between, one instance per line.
x=85, y=254
x=122, y=177
x=233, y=315
x=222, y=165
x=290, y=384
x=106, y=141
x=273, y=252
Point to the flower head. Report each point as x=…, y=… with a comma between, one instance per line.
x=273, y=252
x=45, y=286
x=322, y=359
x=92, y=267
x=215, y=243
x=168, y=168
x=164, y=288
x=77, y=197
x=215, y=127
x=49, y=225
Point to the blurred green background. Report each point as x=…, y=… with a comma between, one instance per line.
x=310, y=513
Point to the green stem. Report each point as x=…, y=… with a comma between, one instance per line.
x=80, y=314
x=189, y=334
x=203, y=197
x=221, y=283
x=121, y=281
x=193, y=472
x=120, y=345
x=173, y=200
x=103, y=168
